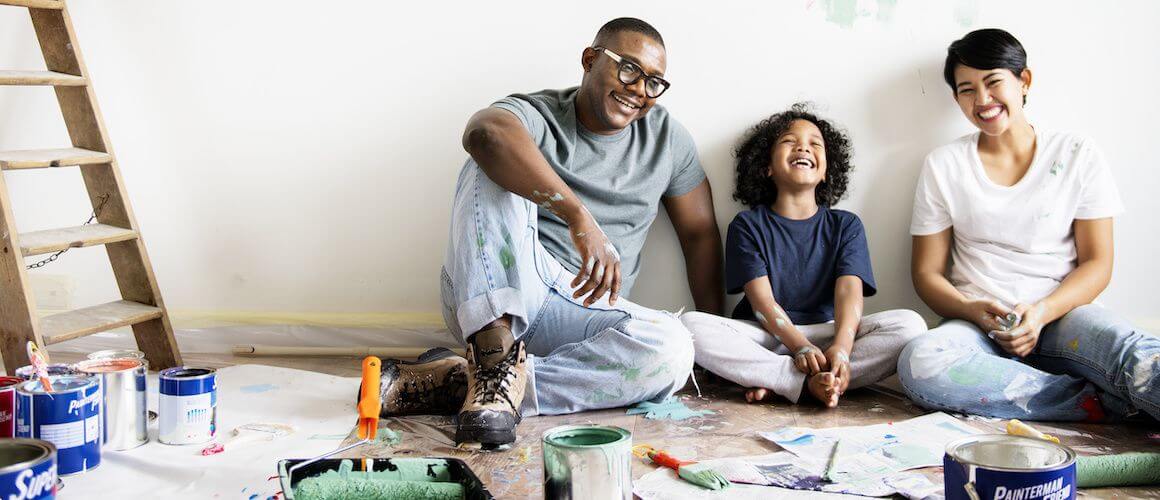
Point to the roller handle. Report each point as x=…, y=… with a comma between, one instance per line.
x=369, y=401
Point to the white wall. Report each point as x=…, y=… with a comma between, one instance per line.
x=294, y=156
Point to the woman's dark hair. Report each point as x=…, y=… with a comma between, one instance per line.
x=990, y=48
x=755, y=187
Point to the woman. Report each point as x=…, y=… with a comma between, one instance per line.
x=1025, y=214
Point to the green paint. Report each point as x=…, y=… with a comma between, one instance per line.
x=479, y=240
x=966, y=11
x=599, y=396
x=609, y=367
x=403, y=478
x=842, y=12
x=630, y=373
x=587, y=436
x=506, y=258
x=1057, y=168
x=671, y=408
x=701, y=475
x=972, y=374
x=886, y=10
x=660, y=369
x=387, y=436
x=906, y=453
x=587, y=358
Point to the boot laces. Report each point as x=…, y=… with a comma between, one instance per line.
x=495, y=382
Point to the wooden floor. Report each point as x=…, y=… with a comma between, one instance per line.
x=730, y=431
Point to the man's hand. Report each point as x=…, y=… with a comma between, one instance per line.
x=986, y=314
x=1022, y=339
x=600, y=262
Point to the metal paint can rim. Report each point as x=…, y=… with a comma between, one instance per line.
x=47, y=448
x=6, y=382
x=68, y=384
x=90, y=366
x=116, y=354
x=187, y=373
x=618, y=436
x=955, y=450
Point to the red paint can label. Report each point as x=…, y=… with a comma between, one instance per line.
x=8, y=406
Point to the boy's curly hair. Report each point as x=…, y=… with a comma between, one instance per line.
x=755, y=187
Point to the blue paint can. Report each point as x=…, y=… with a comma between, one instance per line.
x=69, y=418
x=27, y=469
x=1004, y=467
x=187, y=405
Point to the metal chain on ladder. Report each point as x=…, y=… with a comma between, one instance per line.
x=53, y=257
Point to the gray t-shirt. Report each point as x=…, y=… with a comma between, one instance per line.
x=620, y=178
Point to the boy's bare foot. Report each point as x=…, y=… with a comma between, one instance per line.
x=755, y=394
x=825, y=387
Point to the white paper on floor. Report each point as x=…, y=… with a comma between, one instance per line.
x=321, y=407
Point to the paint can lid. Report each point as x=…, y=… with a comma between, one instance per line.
x=9, y=381
x=93, y=366
x=60, y=383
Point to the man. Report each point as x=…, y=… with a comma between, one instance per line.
x=549, y=218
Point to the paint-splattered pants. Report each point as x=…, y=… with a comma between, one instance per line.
x=1087, y=363
x=580, y=358
x=744, y=353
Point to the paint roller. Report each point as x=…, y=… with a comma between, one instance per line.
x=1128, y=469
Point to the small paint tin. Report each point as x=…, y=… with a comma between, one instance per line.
x=1005, y=467
x=69, y=418
x=55, y=369
x=123, y=412
x=587, y=461
x=8, y=406
x=27, y=469
x=187, y=405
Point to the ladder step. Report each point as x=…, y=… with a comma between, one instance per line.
x=43, y=158
x=38, y=4
x=78, y=323
x=16, y=77
x=52, y=240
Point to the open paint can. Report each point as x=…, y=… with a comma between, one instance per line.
x=187, y=405
x=587, y=461
x=69, y=418
x=27, y=469
x=55, y=369
x=118, y=354
x=124, y=418
x=1004, y=467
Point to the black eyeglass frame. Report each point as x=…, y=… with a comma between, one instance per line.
x=621, y=63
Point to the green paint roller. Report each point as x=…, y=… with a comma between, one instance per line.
x=1128, y=469
x=345, y=488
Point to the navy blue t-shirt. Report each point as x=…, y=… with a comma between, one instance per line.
x=802, y=258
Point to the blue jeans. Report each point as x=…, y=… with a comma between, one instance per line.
x=579, y=358
x=1089, y=365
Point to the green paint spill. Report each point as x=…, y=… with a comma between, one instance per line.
x=506, y=258
x=966, y=11
x=388, y=436
x=660, y=369
x=411, y=478
x=969, y=374
x=842, y=12
x=671, y=408
x=609, y=367
x=599, y=396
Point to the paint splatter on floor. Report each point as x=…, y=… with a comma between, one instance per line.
x=671, y=409
x=259, y=388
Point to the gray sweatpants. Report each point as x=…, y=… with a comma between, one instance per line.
x=744, y=353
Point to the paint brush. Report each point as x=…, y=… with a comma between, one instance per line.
x=832, y=461
x=39, y=361
x=705, y=477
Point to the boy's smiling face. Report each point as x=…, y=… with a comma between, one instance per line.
x=798, y=159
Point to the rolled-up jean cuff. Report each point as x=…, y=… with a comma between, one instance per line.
x=530, y=407
x=480, y=310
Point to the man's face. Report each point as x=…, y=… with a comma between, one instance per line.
x=615, y=105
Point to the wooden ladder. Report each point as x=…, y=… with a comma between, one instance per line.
x=116, y=227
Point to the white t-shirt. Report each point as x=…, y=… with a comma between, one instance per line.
x=1013, y=243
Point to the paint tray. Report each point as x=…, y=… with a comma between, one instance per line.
x=451, y=470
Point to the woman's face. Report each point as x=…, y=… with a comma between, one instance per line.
x=992, y=99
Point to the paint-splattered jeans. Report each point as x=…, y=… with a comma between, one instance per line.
x=1089, y=365
x=580, y=358
x=744, y=353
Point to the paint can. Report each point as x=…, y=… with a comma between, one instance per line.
x=1005, y=467
x=8, y=406
x=123, y=413
x=69, y=418
x=27, y=469
x=587, y=461
x=187, y=405
x=55, y=369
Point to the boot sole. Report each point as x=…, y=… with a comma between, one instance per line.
x=485, y=438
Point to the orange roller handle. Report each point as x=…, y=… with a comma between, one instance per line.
x=369, y=399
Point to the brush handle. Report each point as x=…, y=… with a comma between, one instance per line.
x=665, y=460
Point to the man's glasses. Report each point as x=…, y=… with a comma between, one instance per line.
x=629, y=73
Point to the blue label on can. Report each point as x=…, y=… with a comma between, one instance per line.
x=187, y=381
x=38, y=481
x=68, y=418
x=990, y=484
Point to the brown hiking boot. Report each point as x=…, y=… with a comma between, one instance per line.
x=435, y=384
x=495, y=388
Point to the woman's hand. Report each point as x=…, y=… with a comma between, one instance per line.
x=986, y=314
x=1023, y=338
